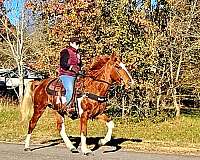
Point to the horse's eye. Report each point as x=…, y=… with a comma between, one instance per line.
x=118, y=66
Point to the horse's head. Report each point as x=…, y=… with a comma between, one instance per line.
x=119, y=73
x=113, y=70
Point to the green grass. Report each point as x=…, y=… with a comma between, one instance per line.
x=179, y=135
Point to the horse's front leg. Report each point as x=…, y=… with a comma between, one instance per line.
x=110, y=126
x=83, y=131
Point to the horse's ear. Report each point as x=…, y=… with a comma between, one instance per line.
x=113, y=56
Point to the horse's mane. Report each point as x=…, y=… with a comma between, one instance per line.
x=99, y=62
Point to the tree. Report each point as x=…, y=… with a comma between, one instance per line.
x=15, y=38
x=179, y=46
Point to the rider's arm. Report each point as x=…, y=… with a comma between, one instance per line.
x=64, y=57
x=80, y=64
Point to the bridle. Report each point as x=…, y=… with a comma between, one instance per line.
x=98, y=80
x=103, y=98
x=118, y=68
x=103, y=81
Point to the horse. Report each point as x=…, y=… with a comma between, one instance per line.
x=106, y=70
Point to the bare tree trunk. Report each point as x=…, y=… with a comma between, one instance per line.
x=160, y=92
x=177, y=107
x=21, y=82
x=175, y=104
x=158, y=101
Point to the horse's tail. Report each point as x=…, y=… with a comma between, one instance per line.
x=27, y=102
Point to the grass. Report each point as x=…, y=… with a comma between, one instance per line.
x=174, y=135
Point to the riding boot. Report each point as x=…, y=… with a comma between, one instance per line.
x=72, y=110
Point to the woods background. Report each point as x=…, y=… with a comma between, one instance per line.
x=159, y=42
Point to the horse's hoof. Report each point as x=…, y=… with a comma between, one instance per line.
x=27, y=149
x=74, y=150
x=88, y=152
x=102, y=142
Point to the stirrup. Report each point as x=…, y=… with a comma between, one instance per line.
x=71, y=109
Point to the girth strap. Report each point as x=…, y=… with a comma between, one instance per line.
x=96, y=97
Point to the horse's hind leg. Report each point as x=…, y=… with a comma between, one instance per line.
x=61, y=128
x=38, y=111
x=110, y=126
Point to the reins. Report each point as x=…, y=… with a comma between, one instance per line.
x=93, y=78
x=98, y=80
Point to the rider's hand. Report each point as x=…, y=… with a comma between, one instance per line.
x=81, y=72
x=74, y=68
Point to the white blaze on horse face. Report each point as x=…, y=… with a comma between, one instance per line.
x=74, y=45
x=124, y=68
x=80, y=110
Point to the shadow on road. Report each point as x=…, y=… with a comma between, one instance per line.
x=114, y=143
x=46, y=146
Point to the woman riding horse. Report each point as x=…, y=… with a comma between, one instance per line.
x=70, y=65
x=102, y=73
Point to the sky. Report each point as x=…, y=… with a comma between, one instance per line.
x=14, y=8
x=153, y=3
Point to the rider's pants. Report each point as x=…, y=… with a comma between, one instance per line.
x=68, y=83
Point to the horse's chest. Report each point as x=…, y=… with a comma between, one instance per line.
x=93, y=108
x=97, y=110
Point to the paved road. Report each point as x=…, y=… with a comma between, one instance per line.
x=55, y=152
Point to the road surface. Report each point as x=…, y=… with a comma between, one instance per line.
x=58, y=152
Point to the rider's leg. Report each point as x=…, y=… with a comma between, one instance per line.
x=68, y=83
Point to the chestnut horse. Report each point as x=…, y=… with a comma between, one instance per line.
x=102, y=73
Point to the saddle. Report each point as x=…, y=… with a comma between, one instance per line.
x=55, y=88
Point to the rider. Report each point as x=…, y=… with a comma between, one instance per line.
x=70, y=65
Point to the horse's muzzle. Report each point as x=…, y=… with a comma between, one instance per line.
x=129, y=85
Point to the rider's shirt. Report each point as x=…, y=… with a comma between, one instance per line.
x=70, y=62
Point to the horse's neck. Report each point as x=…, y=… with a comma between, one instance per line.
x=99, y=84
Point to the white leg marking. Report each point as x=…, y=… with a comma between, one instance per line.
x=80, y=110
x=124, y=68
x=65, y=137
x=27, y=140
x=83, y=142
x=107, y=138
x=84, y=148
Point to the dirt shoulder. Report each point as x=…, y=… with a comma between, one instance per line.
x=161, y=147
